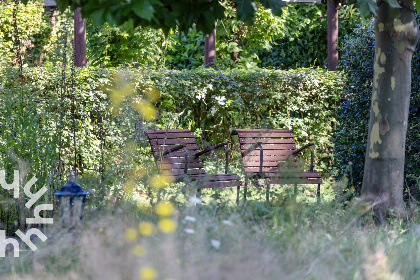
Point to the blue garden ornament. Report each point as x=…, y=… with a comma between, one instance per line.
x=72, y=200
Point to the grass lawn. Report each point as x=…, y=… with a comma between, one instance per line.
x=218, y=239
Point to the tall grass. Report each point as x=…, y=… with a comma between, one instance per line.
x=298, y=240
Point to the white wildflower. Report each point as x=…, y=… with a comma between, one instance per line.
x=227, y=222
x=189, y=219
x=195, y=200
x=215, y=243
x=189, y=231
x=221, y=100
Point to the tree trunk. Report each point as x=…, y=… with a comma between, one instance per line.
x=396, y=35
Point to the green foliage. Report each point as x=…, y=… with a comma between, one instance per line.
x=185, y=51
x=236, y=42
x=165, y=15
x=35, y=32
x=120, y=46
x=214, y=102
x=305, y=40
x=353, y=115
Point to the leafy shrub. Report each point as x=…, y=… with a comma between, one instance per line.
x=305, y=40
x=353, y=115
x=109, y=46
x=34, y=28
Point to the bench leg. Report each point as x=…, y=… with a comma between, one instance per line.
x=245, y=188
x=267, y=193
x=237, y=194
x=318, y=194
x=198, y=193
x=295, y=192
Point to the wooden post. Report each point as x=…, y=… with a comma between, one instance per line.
x=332, y=34
x=79, y=38
x=210, y=47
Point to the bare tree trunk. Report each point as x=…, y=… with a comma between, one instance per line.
x=332, y=34
x=210, y=47
x=397, y=34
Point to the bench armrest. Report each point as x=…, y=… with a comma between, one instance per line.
x=303, y=148
x=311, y=168
x=174, y=149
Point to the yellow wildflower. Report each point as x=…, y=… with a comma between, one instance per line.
x=138, y=251
x=146, y=229
x=145, y=108
x=147, y=273
x=130, y=234
x=164, y=209
x=167, y=225
x=160, y=181
x=129, y=186
x=153, y=95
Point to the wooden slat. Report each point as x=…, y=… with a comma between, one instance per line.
x=220, y=177
x=170, y=135
x=220, y=184
x=178, y=160
x=170, y=166
x=296, y=181
x=177, y=172
x=235, y=131
x=265, y=164
x=154, y=142
x=256, y=157
x=275, y=171
x=287, y=175
x=191, y=153
x=265, y=135
x=163, y=131
x=267, y=141
x=270, y=147
x=267, y=154
x=165, y=148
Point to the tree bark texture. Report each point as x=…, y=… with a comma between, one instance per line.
x=79, y=39
x=210, y=47
x=332, y=34
x=396, y=36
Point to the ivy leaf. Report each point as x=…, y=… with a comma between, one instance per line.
x=275, y=6
x=144, y=9
x=393, y=3
x=245, y=11
x=367, y=7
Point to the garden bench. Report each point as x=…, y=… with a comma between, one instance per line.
x=176, y=154
x=271, y=154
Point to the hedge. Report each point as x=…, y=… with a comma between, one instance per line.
x=209, y=102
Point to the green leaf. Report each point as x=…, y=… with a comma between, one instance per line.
x=143, y=9
x=393, y=3
x=417, y=4
x=245, y=11
x=275, y=6
x=367, y=7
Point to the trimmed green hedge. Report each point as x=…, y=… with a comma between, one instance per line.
x=209, y=102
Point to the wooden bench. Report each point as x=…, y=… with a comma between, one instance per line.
x=176, y=154
x=271, y=154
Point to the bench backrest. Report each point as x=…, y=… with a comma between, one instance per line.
x=277, y=144
x=174, y=163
